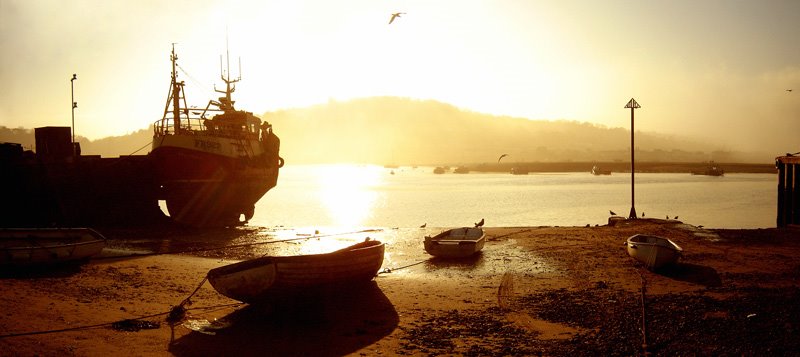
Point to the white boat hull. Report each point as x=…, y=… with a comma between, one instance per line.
x=456, y=243
x=23, y=247
x=653, y=251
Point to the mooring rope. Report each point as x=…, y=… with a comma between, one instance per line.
x=644, y=314
x=196, y=250
x=86, y=327
x=390, y=270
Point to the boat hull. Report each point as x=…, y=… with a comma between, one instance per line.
x=456, y=243
x=266, y=278
x=25, y=247
x=204, y=188
x=653, y=251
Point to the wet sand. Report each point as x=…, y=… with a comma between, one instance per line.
x=533, y=290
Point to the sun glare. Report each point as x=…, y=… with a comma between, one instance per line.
x=347, y=194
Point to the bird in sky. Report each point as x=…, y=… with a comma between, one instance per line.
x=501, y=156
x=395, y=15
x=479, y=224
x=423, y=225
x=612, y=213
x=788, y=90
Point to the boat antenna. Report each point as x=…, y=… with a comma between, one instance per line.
x=226, y=103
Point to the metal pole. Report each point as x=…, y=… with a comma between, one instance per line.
x=74, y=105
x=633, y=105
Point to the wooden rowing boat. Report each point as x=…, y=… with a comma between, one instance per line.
x=267, y=277
x=456, y=243
x=653, y=251
x=22, y=247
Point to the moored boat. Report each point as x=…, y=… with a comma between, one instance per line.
x=26, y=247
x=213, y=164
x=653, y=251
x=269, y=277
x=456, y=243
x=597, y=171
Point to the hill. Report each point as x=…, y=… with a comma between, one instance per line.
x=392, y=130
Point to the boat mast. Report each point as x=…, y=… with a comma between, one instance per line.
x=176, y=90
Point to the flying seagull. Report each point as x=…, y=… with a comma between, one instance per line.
x=501, y=156
x=396, y=14
x=423, y=225
x=788, y=90
x=612, y=212
x=479, y=224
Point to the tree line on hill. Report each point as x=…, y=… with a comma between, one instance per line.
x=403, y=131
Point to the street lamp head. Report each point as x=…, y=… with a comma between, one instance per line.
x=74, y=77
x=74, y=105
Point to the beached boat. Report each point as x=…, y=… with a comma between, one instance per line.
x=653, y=251
x=212, y=169
x=269, y=277
x=456, y=243
x=24, y=247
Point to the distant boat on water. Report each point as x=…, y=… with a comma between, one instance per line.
x=597, y=171
x=439, y=170
x=519, y=171
x=461, y=170
x=711, y=170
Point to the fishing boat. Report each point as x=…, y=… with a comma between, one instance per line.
x=653, y=251
x=270, y=277
x=25, y=247
x=212, y=165
x=456, y=243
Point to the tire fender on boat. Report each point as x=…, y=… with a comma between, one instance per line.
x=280, y=162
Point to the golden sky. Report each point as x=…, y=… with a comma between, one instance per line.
x=712, y=69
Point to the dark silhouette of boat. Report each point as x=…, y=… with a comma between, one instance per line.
x=596, y=170
x=711, y=170
x=214, y=164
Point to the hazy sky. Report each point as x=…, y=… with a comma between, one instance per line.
x=711, y=69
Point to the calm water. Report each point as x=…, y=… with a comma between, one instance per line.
x=347, y=196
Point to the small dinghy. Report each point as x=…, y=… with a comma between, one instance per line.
x=456, y=243
x=268, y=277
x=653, y=251
x=27, y=247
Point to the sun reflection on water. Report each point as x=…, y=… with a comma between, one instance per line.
x=348, y=192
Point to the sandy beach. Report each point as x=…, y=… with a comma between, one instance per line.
x=532, y=291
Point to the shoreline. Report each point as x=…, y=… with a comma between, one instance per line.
x=532, y=290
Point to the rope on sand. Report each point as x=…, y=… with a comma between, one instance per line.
x=106, y=324
x=389, y=270
x=230, y=246
x=644, y=314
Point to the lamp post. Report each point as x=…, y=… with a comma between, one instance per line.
x=633, y=105
x=74, y=105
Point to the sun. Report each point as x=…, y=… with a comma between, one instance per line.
x=348, y=193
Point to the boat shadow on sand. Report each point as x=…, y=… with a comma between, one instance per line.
x=692, y=273
x=466, y=263
x=322, y=325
